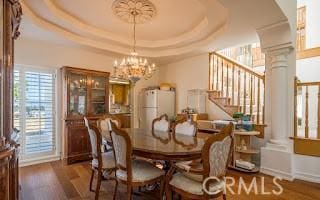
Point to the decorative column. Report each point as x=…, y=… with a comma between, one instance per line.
x=279, y=96
x=277, y=156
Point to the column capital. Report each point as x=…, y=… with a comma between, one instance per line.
x=279, y=57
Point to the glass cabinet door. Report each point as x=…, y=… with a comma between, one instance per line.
x=77, y=94
x=98, y=95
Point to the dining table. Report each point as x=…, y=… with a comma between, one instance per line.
x=161, y=145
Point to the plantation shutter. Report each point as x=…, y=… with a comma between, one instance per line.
x=34, y=110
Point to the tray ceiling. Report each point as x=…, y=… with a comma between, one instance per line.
x=178, y=27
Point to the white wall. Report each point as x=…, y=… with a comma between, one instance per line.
x=188, y=74
x=49, y=55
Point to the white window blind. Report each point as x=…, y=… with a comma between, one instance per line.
x=34, y=110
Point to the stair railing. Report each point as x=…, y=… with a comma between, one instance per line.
x=307, y=118
x=242, y=85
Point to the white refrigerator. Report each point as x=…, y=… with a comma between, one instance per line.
x=155, y=103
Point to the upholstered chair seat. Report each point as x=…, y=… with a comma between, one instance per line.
x=108, y=161
x=187, y=165
x=142, y=171
x=184, y=183
x=101, y=162
x=132, y=172
x=190, y=176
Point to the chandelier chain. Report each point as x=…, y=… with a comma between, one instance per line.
x=134, y=32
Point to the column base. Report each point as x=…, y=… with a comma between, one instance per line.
x=277, y=160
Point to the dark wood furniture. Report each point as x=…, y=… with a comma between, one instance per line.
x=145, y=144
x=124, y=118
x=10, y=11
x=86, y=93
x=203, y=170
x=102, y=162
x=129, y=171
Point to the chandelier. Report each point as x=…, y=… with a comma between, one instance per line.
x=133, y=67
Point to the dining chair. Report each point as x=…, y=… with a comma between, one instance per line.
x=103, y=125
x=101, y=162
x=185, y=127
x=161, y=123
x=132, y=172
x=188, y=181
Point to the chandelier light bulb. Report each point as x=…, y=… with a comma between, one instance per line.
x=134, y=67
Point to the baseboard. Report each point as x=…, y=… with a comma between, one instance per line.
x=307, y=177
x=27, y=162
x=277, y=173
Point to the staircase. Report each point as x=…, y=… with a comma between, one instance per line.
x=236, y=88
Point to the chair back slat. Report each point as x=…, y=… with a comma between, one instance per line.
x=186, y=127
x=122, y=149
x=95, y=141
x=161, y=124
x=216, y=153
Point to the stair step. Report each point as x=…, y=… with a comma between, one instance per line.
x=214, y=93
x=222, y=100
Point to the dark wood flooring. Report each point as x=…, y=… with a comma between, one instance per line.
x=58, y=181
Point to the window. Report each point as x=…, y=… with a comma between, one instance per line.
x=301, y=28
x=34, y=110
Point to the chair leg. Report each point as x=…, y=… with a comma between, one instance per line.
x=224, y=196
x=162, y=186
x=129, y=192
x=91, y=180
x=168, y=193
x=115, y=190
x=98, y=185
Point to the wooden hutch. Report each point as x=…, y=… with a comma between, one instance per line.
x=85, y=93
x=11, y=12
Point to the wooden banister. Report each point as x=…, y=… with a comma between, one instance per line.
x=243, y=67
x=239, y=88
x=305, y=142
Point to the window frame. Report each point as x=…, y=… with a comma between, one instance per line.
x=39, y=156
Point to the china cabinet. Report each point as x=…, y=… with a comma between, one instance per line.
x=86, y=93
x=10, y=13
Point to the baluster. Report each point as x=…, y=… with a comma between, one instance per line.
x=295, y=107
x=251, y=96
x=264, y=97
x=211, y=71
x=258, y=102
x=307, y=114
x=227, y=80
x=318, y=132
x=245, y=93
x=217, y=85
x=232, y=84
x=222, y=82
x=239, y=86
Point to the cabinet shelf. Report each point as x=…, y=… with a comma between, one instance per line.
x=98, y=89
x=86, y=94
x=97, y=102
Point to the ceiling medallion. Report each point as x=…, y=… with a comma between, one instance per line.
x=134, y=67
x=126, y=10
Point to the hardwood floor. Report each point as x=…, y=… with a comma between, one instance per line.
x=58, y=181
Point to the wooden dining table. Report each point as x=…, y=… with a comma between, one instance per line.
x=161, y=145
